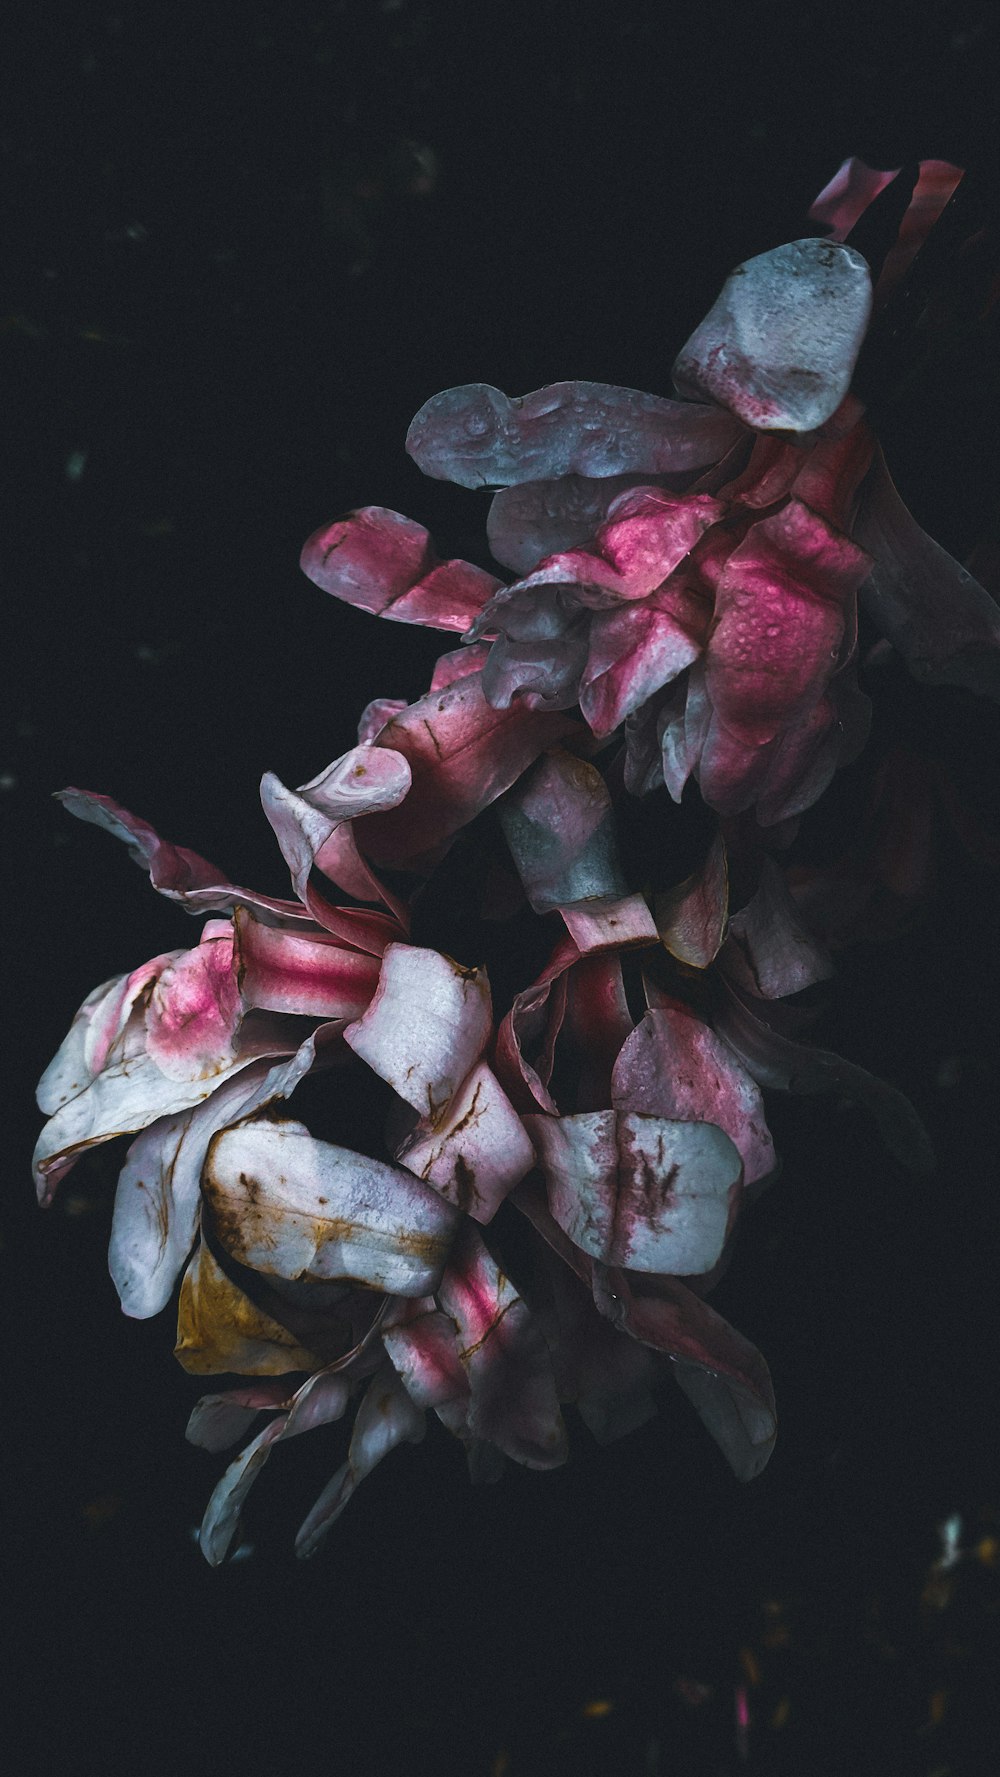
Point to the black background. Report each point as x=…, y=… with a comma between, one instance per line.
x=243, y=245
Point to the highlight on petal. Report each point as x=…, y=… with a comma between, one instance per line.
x=476, y=1151
x=195, y=1010
x=426, y=1027
x=944, y=624
x=219, y=1329
x=476, y=436
x=305, y=820
x=560, y=827
x=287, y=1205
x=386, y=1417
x=158, y=1197
x=641, y=1191
x=310, y=975
x=692, y=919
x=384, y=563
x=424, y=1352
x=779, y=345
x=95, y=1035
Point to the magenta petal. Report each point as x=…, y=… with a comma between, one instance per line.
x=692, y=918
x=462, y=754
x=175, y=872
x=644, y=1192
x=96, y=1030
x=158, y=1197
x=631, y=654
x=722, y=1374
x=312, y=976
x=779, y=345
x=375, y=715
x=194, y=1010
x=305, y=820
x=476, y=436
x=461, y=663
x=290, y=1206
x=770, y=952
x=476, y=1151
x=386, y=1417
x=609, y=922
x=674, y=1066
x=384, y=563
x=513, y=1400
x=426, y=1027
x=776, y=1061
x=944, y=624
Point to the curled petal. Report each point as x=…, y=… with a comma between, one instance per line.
x=673, y=1066
x=476, y=436
x=476, y=1151
x=312, y=976
x=218, y=1420
x=641, y=1191
x=222, y=1514
x=632, y=653
x=384, y=563
x=425, y=1355
x=287, y=1205
x=461, y=663
x=527, y=1036
x=305, y=820
x=94, y=1037
x=426, y=1027
x=219, y=1329
x=386, y=1417
x=375, y=715
x=845, y=199
x=779, y=345
x=944, y=624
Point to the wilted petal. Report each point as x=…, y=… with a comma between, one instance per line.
x=386, y=1417
x=476, y=1152
x=527, y=1036
x=375, y=715
x=944, y=624
x=305, y=820
x=320, y=1401
x=179, y=874
x=159, y=1189
x=641, y=1191
x=606, y=1374
x=513, y=1400
x=632, y=653
x=692, y=918
x=426, y=1027
x=218, y=1420
x=559, y=825
x=96, y=1028
x=219, y=1329
x=285, y=1204
x=770, y=951
x=779, y=345
x=313, y=976
x=674, y=1066
x=776, y=1061
x=222, y=1514
x=476, y=436
x=384, y=563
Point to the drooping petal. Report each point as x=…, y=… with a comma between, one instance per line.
x=179, y=874
x=776, y=1061
x=159, y=1189
x=219, y=1329
x=937, y=181
x=770, y=952
x=426, y=1027
x=311, y=975
x=608, y=1376
x=723, y=1375
x=673, y=1066
x=513, y=1401
x=527, y=1036
x=386, y=1417
x=384, y=563
x=476, y=436
x=692, y=918
x=222, y=1514
x=424, y=1352
x=640, y=1191
x=290, y=1206
x=944, y=624
x=779, y=345
x=219, y=1420
x=476, y=1151
x=305, y=820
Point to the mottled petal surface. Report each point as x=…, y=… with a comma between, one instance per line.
x=426, y=1027
x=219, y=1329
x=476, y=1151
x=304, y=820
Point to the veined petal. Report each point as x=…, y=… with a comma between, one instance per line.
x=476, y=436
x=384, y=563
x=476, y=1151
x=645, y=1192
x=311, y=975
x=101, y=1020
x=386, y=1417
x=426, y=1027
x=219, y=1329
x=424, y=1353
x=673, y=1066
x=218, y=1420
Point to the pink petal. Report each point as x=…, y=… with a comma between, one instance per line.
x=426, y=1027
x=845, y=199
x=158, y=1197
x=477, y=437
x=513, y=1400
x=306, y=819
x=944, y=624
x=424, y=1353
x=461, y=663
x=641, y=1191
x=375, y=715
x=94, y=1033
x=597, y=1022
x=674, y=1066
x=194, y=1012
x=609, y=922
x=463, y=755
x=386, y=1417
x=285, y=1204
x=770, y=952
x=779, y=345
x=692, y=918
x=937, y=182
x=631, y=654
x=175, y=872
x=384, y=563
x=312, y=976
x=476, y=1152
x=531, y=1027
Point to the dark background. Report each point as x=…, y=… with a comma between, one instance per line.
x=243, y=245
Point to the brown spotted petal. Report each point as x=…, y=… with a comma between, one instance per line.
x=285, y=1204
x=475, y=1151
x=645, y=1192
x=426, y=1026
x=219, y=1329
